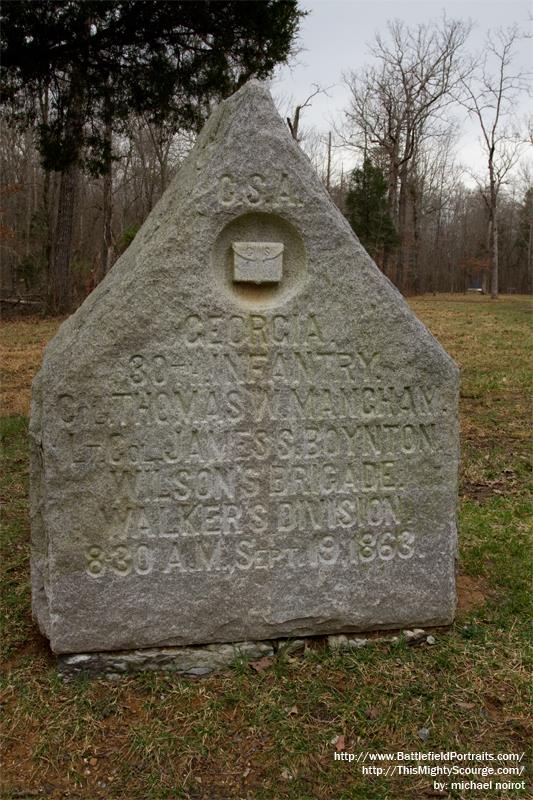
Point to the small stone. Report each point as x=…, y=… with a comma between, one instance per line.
x=357, y=643
x=414, y=637
x=199, y=671
x=339, y=642
x=292, y=646
x=431, y=640
x=119, y=666
x=249, y=650
x=424, y=734
x=73, y=660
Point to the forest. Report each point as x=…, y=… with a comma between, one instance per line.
x=101, y=102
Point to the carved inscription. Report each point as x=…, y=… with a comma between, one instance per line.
x=244, y=554
x=258, y=190
x=253, y=443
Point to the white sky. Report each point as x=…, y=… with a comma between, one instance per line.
x=334, y=38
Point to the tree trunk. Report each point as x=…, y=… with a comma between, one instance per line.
x=328, y=169
x=414, y=281
x=529, y=272
x=106, y=258
x=494, y=261
x=46, y=205
x=59, y=286
x=389, y=267
x=30, y=184
x=106, y=255
x=493, y=231
x=436, y=274
x=401, y=271
x=59, y=295
x=294, y=123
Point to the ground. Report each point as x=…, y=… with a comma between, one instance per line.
x=271, y=733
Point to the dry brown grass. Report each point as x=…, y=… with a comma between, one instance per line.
x=22, y=342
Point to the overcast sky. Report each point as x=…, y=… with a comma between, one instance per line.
x=334, y=38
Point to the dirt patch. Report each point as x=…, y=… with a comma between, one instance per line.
x=36, y=647
x=472, y=593
x=481, y=492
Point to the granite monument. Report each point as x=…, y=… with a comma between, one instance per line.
x=243, y=433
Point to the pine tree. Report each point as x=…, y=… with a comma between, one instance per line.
x=367, y=209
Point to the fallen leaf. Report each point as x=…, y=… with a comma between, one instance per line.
x=466, y=706
x=293, y=710
x=262, y=663
x=93, y=762
x=372, y=713
x=340, y=743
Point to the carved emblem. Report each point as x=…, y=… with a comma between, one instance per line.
x=257, y=262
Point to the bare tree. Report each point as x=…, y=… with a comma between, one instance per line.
x=317, y=146
x=490, y=96
x=434, y=184
x=294, y=121
x=398, y=104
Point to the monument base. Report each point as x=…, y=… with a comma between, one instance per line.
x=203, y=660
x=189, y=661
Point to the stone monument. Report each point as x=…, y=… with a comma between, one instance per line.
x=243, y=433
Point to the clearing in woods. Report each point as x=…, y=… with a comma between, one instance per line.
x=272, y=731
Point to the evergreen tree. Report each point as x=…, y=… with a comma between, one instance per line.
x=76, y=69
x=367, y=209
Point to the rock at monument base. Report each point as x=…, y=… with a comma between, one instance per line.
x=192, y=662
x=243, y=433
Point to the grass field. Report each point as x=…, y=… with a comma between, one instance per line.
x=272, y=735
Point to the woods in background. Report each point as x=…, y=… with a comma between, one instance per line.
x=102, y=101
x=402, y=119
x=77, y=74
